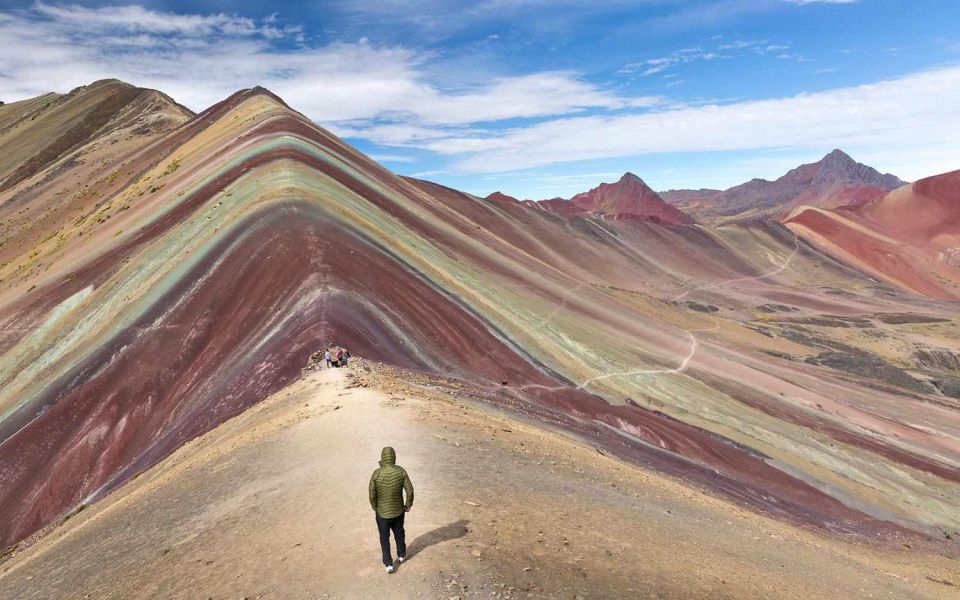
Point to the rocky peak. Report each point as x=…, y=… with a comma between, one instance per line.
x=840, y=167
x=499, y=196
x=629, y=186
x=839, y=158
x=631, y=182
x=630, y=196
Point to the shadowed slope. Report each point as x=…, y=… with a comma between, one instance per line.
x=36, y=133
x=63, y=157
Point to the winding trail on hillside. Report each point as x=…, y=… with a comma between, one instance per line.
x=776, y=271
x=694, y=345
x=691, y=333
x=561, y=305
x=684, y=363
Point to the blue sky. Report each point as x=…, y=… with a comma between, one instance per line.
x=540, y=98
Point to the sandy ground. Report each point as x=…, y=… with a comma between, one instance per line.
x=272, y=504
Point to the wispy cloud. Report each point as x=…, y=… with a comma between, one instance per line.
x=395, y=96
x=401, y=158
x=443, y=18
x=822, y=1
x=653, y=66
x=753, y=46
x=918, y=110
x=739, y=44
x=694, y=54
x=690, y=16
x=795, y=56
x=139, y=19
x=200, y=59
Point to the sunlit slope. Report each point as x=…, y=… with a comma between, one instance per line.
x=618, y=320
x=63, y=157
x=909, y=237
x=39, y=132
x=249, y=237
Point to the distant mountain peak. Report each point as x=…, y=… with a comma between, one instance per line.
x=499, y=196
x=631, y=181
x=838, y=154
x=629, y=197
x=835, y=166
x=835, y=180
x=839, y=167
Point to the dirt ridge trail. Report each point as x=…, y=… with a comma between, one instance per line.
x=273, y=504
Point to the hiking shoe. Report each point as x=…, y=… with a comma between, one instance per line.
x=390, y=569
x=401, y=558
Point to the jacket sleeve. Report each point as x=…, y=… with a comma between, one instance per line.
x=373, y=490
x=408, y=488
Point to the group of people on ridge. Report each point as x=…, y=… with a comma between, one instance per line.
x=336, y=356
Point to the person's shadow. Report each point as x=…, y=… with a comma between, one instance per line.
x=454, y=530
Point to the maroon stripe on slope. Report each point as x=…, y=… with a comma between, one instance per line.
x=726, y=468
x=134, y=402
x=784, y=412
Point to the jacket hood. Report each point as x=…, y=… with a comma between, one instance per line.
x=388, y=456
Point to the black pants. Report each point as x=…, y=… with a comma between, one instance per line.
x=386, y=526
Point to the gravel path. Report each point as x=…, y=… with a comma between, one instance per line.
x=272, y=504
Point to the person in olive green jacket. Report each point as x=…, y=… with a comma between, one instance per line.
x=387, y=486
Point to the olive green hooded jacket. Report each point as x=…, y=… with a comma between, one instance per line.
x=387, y=485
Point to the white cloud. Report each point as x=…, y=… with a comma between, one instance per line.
x=397, y=134
x=655, y=69
x=653, y=66
x=913, y=161
x=138, y=19
x=793, y=56
x=921, y=110
x=383, y=93
x=694, y=54
x=553, y=181
x=402, y=158
x=447, y=16
x=200, y=59
x=740, y=44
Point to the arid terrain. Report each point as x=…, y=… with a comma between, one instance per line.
x=597, y=397
x=272, y=504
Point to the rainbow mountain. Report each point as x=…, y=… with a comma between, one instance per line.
x=161, y=272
